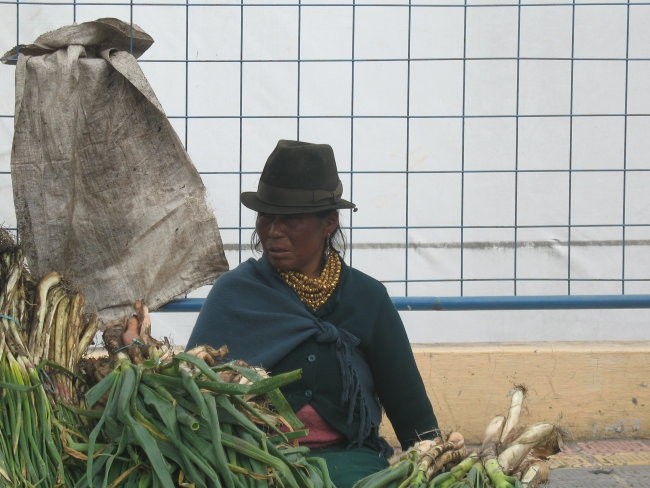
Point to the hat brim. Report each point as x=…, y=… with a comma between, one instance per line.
x=249, y=199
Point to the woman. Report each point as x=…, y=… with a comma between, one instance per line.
x=301, y=307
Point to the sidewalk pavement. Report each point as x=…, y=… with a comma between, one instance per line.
x=601, y=464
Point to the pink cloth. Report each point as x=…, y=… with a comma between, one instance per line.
x=321, y=434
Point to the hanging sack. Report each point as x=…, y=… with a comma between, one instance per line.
x=103, y=189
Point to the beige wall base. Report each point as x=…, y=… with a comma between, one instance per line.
x=593, y=390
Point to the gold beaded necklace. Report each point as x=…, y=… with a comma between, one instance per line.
x=314, y=292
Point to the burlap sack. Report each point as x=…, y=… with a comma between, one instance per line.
x=103, y=188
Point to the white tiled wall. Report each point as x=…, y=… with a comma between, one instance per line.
x=459, y=94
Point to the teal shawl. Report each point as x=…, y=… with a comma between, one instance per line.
x=255, y=313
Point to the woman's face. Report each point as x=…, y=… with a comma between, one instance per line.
x=295, y=242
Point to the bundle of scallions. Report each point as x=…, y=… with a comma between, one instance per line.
x=31, y=450
x=511, y=456
x=171, y=420
x=182, y=423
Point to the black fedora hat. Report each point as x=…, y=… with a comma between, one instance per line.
x=298, y=177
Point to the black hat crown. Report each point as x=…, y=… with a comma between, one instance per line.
x=298, y=177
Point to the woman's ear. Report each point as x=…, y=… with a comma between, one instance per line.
x=331, y=222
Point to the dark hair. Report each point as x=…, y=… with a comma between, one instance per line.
x=337, y=238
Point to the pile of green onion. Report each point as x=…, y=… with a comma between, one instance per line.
x=30, y=448
x=179, y=423
x=172, y=420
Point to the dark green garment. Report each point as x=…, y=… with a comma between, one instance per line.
x=347, y=466
x=361, y=305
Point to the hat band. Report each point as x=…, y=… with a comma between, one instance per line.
x=289, y=197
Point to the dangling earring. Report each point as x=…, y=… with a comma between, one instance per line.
x=328, y=244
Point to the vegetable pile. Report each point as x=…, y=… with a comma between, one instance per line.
x=141, y=417
x=511, y=456
x=43, y=333
x=183, y=423
x=416, y=467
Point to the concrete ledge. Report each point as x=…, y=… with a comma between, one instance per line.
x=593, y=390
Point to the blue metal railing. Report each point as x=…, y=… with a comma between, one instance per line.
x=543, y=302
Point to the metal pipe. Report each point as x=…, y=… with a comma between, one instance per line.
x=543, y=302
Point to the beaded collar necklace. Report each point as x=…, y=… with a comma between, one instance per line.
x=314, y=292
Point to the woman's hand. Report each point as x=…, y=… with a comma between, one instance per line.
x=131, y=330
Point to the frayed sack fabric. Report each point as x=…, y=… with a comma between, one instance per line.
x=103, y=189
